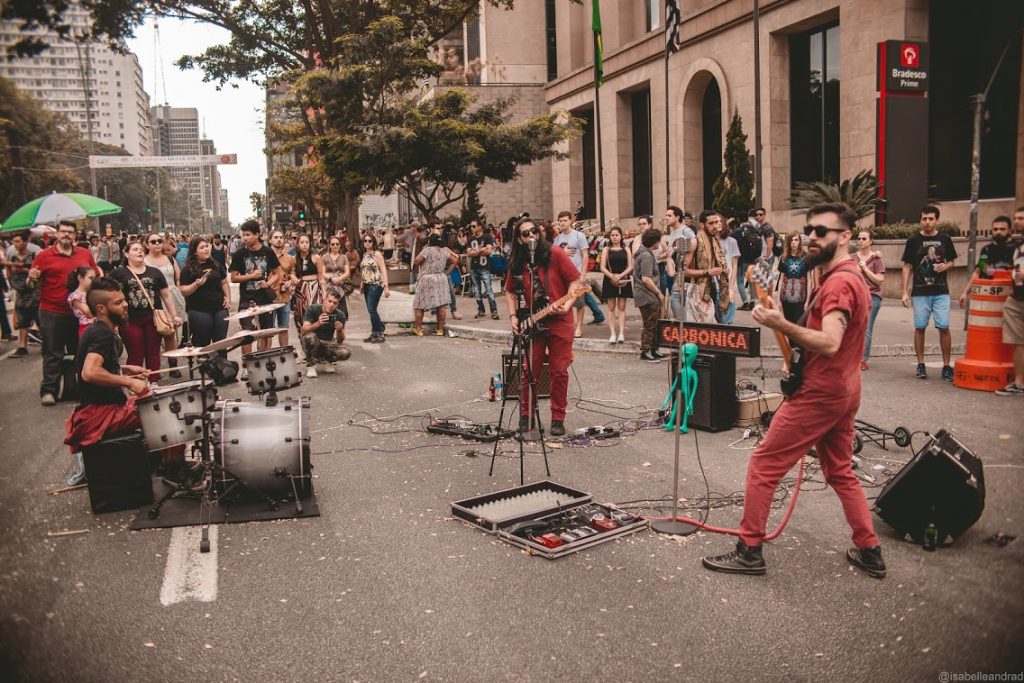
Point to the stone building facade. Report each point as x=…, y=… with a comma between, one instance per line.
x=712, y=76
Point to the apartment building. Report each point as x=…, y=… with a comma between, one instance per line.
x=98, y=90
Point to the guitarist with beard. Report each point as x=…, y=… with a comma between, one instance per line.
x=821, y=412
x=554, y=273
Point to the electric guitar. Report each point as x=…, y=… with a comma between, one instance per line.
x=761, y=275
x=531, y=325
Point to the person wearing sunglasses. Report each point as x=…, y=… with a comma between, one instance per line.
x=555, y=273
x=57, y=325
x=822, y=411
x=928, y=256
x=374, y=275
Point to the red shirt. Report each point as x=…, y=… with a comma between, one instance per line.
x=54, y=268
x=841, y=289
x=556, y=277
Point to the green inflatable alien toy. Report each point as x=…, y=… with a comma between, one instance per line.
x=686, y=383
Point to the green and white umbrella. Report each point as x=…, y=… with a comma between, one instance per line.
x=53, y=208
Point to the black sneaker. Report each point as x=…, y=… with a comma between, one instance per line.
x=21, y=351
x=495, y=316
x=657, y=354
x=369, y=340
x=869, y=560
x=557, y=428
x=479, y=314
x=922, y=373
x=1010, y=389
x=595, y=321
x=34, y=338
x=743, y=560
x=947, y=373
x=649, y=357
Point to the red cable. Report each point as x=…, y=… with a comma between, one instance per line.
x=736, y=532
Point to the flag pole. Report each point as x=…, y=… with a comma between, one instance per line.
x=668, y=136
x=598, y=77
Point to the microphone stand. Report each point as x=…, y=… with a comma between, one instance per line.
x=672, y=525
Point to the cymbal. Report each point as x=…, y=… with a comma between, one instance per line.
x=187, y=352
x=269, y=332
x=255, y=310
x=233, y=340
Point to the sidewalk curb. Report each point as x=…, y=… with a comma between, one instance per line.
x=632, y=347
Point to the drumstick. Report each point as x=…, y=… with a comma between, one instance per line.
x=152, y=372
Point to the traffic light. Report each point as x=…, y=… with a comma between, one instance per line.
x=259, y=210
x=149, y=211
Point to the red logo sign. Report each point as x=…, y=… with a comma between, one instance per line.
x=910, y=55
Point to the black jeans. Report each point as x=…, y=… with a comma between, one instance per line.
x=207, y=327
x=60, y=338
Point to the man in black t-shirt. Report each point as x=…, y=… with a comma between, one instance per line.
x=104, y=409
x=929, y=255
x=323, y=331
x=256, y=269
x=997, y=254
x=479, y=251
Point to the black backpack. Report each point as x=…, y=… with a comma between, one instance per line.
x=751, y=245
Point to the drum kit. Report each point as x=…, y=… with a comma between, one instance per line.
x=245, y=450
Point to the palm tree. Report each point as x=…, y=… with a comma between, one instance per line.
x=860, y=193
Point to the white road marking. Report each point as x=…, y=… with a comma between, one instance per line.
x=190, y=574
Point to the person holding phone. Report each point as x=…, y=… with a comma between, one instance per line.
x=323, y=332
x=207, y=293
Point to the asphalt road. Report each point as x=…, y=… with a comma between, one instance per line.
x=386, y=586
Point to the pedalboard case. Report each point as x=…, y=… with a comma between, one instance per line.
x=547, y=519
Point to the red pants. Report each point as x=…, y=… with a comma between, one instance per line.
x=826, y=423
x=142, y=342
x=557, y=345
x=90, y=424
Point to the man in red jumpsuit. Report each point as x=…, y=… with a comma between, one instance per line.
x=555, y=273
x=821, y=412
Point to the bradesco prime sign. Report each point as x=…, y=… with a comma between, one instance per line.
x=906, y=66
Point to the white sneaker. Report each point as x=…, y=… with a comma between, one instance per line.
x=611, y=339
x=311, y=371
x=329, y=368
x=622, y=337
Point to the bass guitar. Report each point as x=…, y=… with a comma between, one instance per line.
x=532, y=326
x=761, y=275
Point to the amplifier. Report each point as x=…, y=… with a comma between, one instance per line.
x=118, y=471
x=943, y=484
x=714, y=407
x=511, y=382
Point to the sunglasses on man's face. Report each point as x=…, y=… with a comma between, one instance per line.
x=529, y=231
x=156, y=241
x=820, y=230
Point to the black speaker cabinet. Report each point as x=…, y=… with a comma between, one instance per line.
x=714, y=407
x=510, y=377
x=119, y=473
x=943, y=484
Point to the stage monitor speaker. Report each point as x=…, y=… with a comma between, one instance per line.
x=714, y=407
x=943, y=484
x=510, y=377
x=119, y=474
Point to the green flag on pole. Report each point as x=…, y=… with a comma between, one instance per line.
x=598, y=44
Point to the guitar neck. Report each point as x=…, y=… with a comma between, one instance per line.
x=546, y=311
x=766, y=301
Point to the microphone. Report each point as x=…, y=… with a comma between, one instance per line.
x=533, y=247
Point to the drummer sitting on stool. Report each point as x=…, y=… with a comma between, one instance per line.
x=323, y=331
x=104, y=410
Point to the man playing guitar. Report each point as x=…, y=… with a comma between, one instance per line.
x=821, y=411
x=554, y=274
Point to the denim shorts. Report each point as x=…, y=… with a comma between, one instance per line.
x=283, y=316
x=926, y=307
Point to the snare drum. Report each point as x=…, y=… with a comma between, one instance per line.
x=163, y=411
x=279, y=363
x=263, y=445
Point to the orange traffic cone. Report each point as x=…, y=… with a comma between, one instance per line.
x=987, y=364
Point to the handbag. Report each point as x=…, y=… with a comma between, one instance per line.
x=162, y=320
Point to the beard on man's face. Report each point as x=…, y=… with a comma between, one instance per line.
x=818, y=254
x=116, y=318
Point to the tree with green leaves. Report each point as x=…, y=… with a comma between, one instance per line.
x=734, y=188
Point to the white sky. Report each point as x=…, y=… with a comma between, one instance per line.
x=233, y=117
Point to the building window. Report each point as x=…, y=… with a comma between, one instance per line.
x=643, y=192
x=814, y=104
x=652, y=14
x=711, y=139
x=986, y=27
x=552, y=40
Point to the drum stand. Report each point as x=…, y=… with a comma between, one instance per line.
x=207, y=470
x=522, y=351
